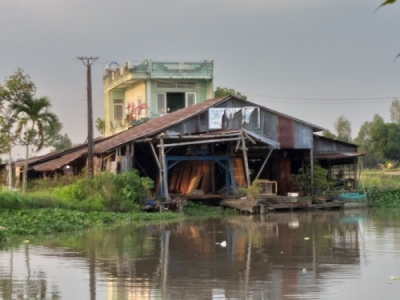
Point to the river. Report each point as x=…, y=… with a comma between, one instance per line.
x=351, y=254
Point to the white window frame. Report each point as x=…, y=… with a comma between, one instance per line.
x=118, y=104
x=187, y=94
x=161, y=103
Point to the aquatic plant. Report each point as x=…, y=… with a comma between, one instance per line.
x=383, y=197
x=197, y=209
x=46, y=221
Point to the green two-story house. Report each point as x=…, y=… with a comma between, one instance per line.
x=134, y=93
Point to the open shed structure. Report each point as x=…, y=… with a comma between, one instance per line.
x=213, y=147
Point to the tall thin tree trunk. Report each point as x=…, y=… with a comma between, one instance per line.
x=10, y=170
x=25, y=179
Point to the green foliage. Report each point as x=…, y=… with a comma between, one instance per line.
x=383, y=197
x=395, y=111
x=197, y=209
x=328, y=134
x=378, y=178
x=343, y=129
x=39, y=185
x=3, y=234
x=386, y=3
x=54, y=139
x=223, y=92
x=254, y=190
x=303, y=179
x=115, y=192
x=100, y=126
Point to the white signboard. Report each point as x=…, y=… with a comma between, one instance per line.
x=247, y=117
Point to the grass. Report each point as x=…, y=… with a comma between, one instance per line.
x=383, y=179
x=43, y=211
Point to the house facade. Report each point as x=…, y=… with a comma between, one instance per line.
x=135, y=93
x=212, y=147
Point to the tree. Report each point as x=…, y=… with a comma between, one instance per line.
x=386, y=3
x=54, y=140
x=343, y=129
x=100, y=126
x=328, y=134
x=364, y=140
x=395, y=111
x=11, y=94
x=33, y=115
x=223, y=92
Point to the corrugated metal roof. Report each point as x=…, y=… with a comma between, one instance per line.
x=261, y=138
x=337, y=155
x=59, y=162
x=154, y=126
x=143, y=130
x=32, y=160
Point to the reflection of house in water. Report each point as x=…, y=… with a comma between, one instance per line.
x=270, y=256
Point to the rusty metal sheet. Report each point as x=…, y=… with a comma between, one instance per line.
x=285, y=132
x=336, y=155
x=59, y=162
x=154, y=126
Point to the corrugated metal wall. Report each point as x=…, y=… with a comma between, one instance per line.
x=290, y=133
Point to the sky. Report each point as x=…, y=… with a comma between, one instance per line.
x=314, y=60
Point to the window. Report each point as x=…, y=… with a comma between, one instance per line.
x=169, y=102
x=118, y=109
x=161, y=103
x=190, y=99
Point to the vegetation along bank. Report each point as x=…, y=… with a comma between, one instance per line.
x=54, y=206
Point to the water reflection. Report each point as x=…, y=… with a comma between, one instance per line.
x=318, y=255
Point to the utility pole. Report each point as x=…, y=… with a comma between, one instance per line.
x=88, y=61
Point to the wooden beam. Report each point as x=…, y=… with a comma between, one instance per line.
x=201, y=142
x=263, y=165
x=246, y=161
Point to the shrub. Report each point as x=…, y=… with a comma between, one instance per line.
x=383, y=197
x=3, y=235
x=303, y=179
x=114, y=192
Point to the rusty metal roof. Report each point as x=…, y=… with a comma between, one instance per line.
x=154, y=126
x=59, y=162
x=54, y=160
x=31, y=160
x=336, y=155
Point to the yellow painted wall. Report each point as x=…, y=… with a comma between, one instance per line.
x=134, y=97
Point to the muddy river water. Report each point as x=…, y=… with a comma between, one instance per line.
x=352, y=254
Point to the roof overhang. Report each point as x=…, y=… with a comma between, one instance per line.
x=337, y=155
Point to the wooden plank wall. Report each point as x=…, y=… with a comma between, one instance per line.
x=193, y=176
x=188, y=176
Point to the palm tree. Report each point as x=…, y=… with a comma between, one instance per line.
x=33, y=115
x=100, y=125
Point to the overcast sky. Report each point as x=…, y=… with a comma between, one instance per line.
x=311, y=59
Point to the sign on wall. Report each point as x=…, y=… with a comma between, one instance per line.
x=234, y=117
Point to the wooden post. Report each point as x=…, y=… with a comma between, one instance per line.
x=164, y=173
x=263, y=165
x=246, y=162
x=312, y=167
x=355, y=173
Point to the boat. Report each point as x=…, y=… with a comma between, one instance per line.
x=354, y=199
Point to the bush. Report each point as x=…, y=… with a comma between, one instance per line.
x=3, y=235
x=303, y=179
x=114, y=192
x=383, y=197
